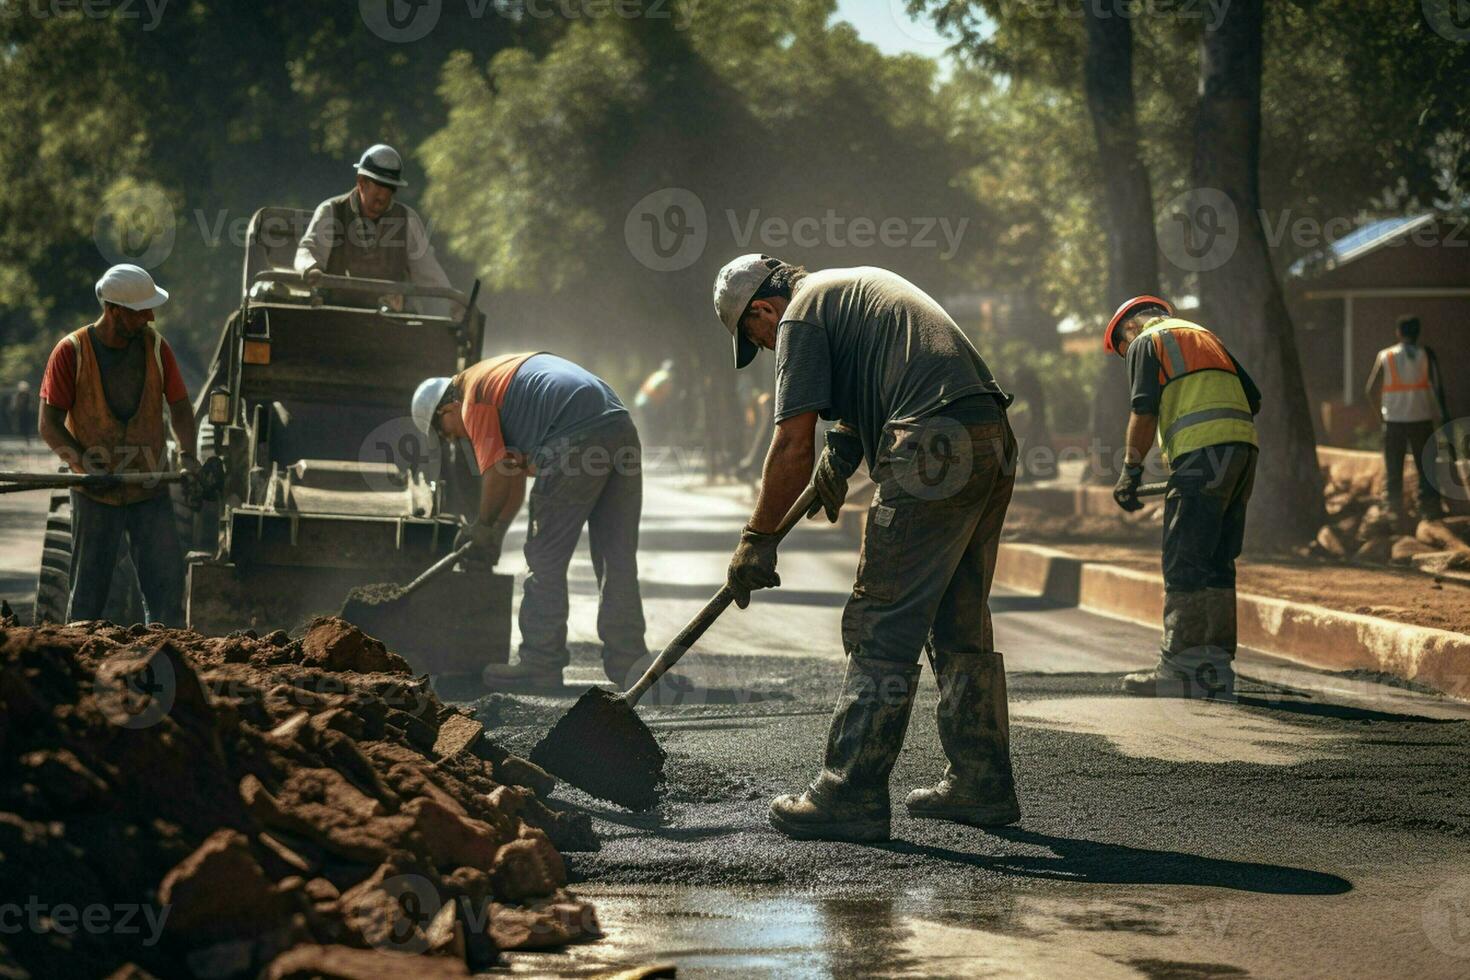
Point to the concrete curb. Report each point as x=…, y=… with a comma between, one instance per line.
x=1308, y=634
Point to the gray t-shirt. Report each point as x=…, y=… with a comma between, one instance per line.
x=868, y=347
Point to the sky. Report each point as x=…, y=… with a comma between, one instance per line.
x=886, y=24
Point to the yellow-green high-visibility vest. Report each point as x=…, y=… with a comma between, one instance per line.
x=1203, y=403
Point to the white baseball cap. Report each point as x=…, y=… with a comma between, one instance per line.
x=380, y=162
x=130, y=286
x=735, y=285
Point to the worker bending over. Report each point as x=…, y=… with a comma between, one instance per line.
x=103, y=400
x=540, y=414
x=1192, y=393
x=911, y=397
x=1411, y=404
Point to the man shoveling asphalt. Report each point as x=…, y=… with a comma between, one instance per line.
x=1190, y=391
x=913, y=398
x=542, y=414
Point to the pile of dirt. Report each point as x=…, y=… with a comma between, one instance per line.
x=176, y=805
x=1362, y=530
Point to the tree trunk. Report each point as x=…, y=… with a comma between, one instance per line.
x=1133, y=263
x=1241, y=297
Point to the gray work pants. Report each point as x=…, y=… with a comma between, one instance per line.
x=97, y=531
x=931, y=541
x=595, y=479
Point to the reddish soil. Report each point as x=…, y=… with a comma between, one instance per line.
x=1401, y=595
x=246, y=806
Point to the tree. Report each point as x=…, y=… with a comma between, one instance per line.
x=1242, y=296
x=1133, y=262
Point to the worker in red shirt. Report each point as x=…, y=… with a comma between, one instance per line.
x=104, y=398
x=540, y=414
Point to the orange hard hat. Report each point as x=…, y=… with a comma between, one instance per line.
x=1125, y=311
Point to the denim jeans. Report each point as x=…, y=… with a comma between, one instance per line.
x=594, y=479
x=153, y=538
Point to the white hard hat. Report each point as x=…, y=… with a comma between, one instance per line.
x=426, y=402
x=130, y=286
x=382, y=163
x=735, y=285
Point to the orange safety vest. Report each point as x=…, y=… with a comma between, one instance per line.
x=110, y=445
x=1406, y=392
x=1203, y=402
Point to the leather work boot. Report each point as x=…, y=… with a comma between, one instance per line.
x=522, y=676
x=1195, y=660
x=975, y=730
x=848, y=801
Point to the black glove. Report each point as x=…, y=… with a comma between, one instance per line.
x=1125, y=491
x=487, y=539
x=838, y=463
x=753, y=566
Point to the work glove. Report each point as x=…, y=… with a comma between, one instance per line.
x=487, y=539
x=1125, y=491
x=193, y=490
x=838, y=463
x=753, y=566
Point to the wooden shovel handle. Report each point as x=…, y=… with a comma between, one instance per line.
x=719, y=602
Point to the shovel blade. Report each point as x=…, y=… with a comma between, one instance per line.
x=604, y=749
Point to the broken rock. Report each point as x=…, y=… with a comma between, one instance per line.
x=343, y=963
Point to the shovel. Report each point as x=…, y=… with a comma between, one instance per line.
x=601, y=746
x=368, y=607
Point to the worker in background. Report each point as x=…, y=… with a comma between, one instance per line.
x=1191, y=393
x=913, y=399
x=1410, y=402
x=540, y=414
x=366, y=234
x=106, y=392
x=21, y=412
x=656, y=404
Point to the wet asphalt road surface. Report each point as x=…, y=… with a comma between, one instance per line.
x=1319, y=828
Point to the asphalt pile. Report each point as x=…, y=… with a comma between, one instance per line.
x=176, y=805
x=1361, y=529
